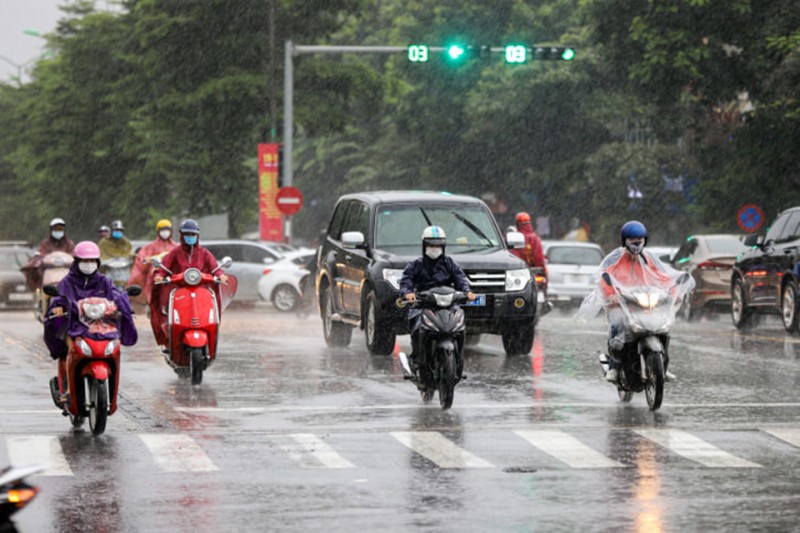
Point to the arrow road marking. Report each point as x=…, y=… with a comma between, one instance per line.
x=437, y=448
x=177, y=453
x=694, y=448
x=309, y=451
x=38, y=449
x=567, y=448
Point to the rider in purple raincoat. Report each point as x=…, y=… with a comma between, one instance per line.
x=84, y=281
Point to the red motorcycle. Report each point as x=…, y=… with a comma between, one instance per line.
x=88, y=382
x=196, y=301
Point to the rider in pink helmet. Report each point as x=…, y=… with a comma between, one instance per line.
x=86, y=250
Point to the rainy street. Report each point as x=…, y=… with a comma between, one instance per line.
x=286, y=433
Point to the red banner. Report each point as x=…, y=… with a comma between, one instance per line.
x=270, y=220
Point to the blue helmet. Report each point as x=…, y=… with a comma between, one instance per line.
x=190, y=226
x=631, y=229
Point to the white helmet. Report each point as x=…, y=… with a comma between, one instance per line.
x=57, y=221
x=433, y=235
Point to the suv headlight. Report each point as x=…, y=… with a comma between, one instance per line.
x=516, y=279
x=393, y=276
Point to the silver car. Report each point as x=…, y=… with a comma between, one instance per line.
x=250, y=259
x=571, y=270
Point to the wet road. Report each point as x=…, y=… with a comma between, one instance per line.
x=285, y=433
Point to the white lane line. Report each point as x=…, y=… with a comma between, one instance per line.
x=309, y=451
x=462, y=407
x=790, y=435
x=567, y=449
x=694, y=448
x=38, y=449
x=177, y=453
x=440, y=450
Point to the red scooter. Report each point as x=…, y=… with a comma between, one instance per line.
x=88, y=381
x=195, y=305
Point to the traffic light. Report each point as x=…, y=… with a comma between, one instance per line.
x=553, y=53
x=456, y=53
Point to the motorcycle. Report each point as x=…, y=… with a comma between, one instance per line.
x=15, y=493
x=543, y=306
x=87, y=385
x=193, y=317
x=118, y=269
x=442, y=333
x=54, y=266
x=648, y=312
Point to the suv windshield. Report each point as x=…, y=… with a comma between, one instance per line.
x=469, y=229
x=574, y=255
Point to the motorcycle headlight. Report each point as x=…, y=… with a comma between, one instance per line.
x=647, y=301
x=94, y=311
x=444, y=300
x=111, y=347
x=83, y=346
x=516, y=279
x=192, y=276
x=393, y=276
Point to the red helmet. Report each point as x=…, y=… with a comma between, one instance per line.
x=522, y=217
x=86, y=250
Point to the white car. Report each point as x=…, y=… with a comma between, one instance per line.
x=571, y=270
x=280, y=283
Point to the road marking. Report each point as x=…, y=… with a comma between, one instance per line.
x=694, y=448
x=39, y=449
x=309, y=451
x=440, y=450
x=790, y=435
x=567, y=449
x=177, y=453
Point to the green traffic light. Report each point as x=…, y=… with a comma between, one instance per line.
x=568, y=54
x=455, y=51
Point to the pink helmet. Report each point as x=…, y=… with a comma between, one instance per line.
x=86, y=250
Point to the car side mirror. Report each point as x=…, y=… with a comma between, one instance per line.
x=752, y=240
x=268, y=260
x=133, y=290
x=50, y=290
x=515, y=240
x=352, y=239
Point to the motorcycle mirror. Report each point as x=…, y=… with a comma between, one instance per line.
x=156, y=262
x=226, y=262
x=133, y=290
x=607, y=278
x=683, y=278
x=50, y=290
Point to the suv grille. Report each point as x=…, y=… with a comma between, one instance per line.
x=487, y=281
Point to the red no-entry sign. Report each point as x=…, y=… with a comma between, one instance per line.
x=289, y=200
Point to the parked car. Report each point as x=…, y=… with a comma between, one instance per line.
x=709, y=260
x=280, y=283
x=665, y=253
x=250, y=259
x=14, y=291
x=571, y=269
x=763, y=279
x=372, y=236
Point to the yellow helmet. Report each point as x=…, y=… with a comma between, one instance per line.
x=163, y=223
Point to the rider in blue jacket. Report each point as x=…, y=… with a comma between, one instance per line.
x=433, y=269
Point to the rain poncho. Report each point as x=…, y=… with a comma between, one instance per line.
x=628, y=271
x=110, y=248
x=142, y=273
x=73, y=288
x=533, y=253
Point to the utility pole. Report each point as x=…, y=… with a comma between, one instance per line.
x=273, y=104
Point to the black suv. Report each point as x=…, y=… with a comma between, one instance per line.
x=763, y=278
x=371, y=238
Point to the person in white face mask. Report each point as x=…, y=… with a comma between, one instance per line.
x=433, y=269
x=56, y=240
x=142, y=273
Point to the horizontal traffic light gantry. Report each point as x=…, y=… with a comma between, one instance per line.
x=513, y=54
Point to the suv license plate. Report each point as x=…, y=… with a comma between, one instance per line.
x=480, y=299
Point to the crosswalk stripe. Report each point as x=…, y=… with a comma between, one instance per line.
x=38, y=449
x=694, y=448
x=440, y=450
x=567, y=449
x=177, y=453
x=790, y=435
x=309, y=451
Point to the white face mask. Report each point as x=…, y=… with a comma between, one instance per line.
x=88, y=267
x=634, y=247
x=165, y=234
x=434, y=252
x=57, y=235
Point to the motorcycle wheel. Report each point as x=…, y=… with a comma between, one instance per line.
x=98, y=408
x=447, y=379
x=654, y=387
x=196, y=365
x=624, y=395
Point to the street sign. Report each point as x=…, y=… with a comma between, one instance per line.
x=750, y=218
x=289, y=200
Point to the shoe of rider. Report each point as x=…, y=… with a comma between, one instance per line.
x=669, y=376
x=612, y=376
